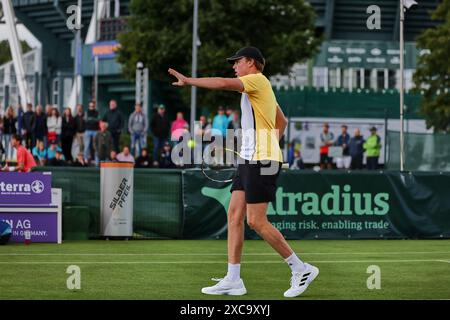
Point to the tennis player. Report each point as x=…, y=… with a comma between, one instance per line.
x=25, y=160
x=263, y=124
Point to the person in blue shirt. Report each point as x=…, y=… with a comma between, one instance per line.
x=220, y=123
x=40, y=153
x=343, y=141
x=356, y=150
x=51, y=151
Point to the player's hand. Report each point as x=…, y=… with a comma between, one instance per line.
x=182, y=80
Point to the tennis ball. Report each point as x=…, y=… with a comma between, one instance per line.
x=191, y=143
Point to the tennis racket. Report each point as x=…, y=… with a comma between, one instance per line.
x=218, y=164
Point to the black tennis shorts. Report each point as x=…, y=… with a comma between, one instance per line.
x=258, y=180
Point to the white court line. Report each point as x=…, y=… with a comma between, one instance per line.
x=446, y=261
x=215, y=262
x=217, y=254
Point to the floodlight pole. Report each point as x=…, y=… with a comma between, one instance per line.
x=194, y=64
x=402, y=49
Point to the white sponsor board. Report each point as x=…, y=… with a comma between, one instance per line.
x=116, y=199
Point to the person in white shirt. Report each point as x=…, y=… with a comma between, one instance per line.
x=125, y=156
x=54, y=123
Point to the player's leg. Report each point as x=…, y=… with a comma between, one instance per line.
x=302, y=273
x=232, y=283
x=236, y=217
x=257, y=220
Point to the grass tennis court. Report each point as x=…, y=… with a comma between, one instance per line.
x=178, y=269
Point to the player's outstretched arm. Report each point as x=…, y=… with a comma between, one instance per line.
x=232, y=84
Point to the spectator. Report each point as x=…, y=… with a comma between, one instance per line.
x=79, y=161
x=52, y=149
x=343, y=141
x=356, y=150
x=113, y=156
x=9, y=128
x=103, y=143
x=114, y=118
x=202, y=127
x=125, y=155
x=179, y=126
x=220, y=123
x=326, y=140
x=80, y=128
x=20, y=121
x=230, y=114
x=291, y=154
x=165, y=158
x=234, y=123
x=160, y=126
x=40, y=129
x=54, y=123
x=2, y=149
x=40, y=153
x=58, y=160
x=68, y=130
x=25, y=160
x=138, y=127
x=297, y=163
x=48, y=110
x=372, y=147
x=29, y=125
x=143, y=161
x=92, y=121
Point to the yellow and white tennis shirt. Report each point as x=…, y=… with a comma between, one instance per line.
x=259, y=110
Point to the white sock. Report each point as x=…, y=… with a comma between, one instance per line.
x=295, y=263
x=234, y=272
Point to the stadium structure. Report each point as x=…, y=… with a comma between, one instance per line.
x=352, y=58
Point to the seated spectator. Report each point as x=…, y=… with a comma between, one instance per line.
x=125, y=155
x=291, y=154
x=40, y=153
x=58, y=160
x=51, y=151
x=143, y=161
x=79, y=161
x=165, y=158
x=113, y=156
x=297, y=163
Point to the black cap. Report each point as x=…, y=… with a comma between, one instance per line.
x=247, y=52
x=373, y=129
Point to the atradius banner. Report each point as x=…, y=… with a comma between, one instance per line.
x=116, y=199
x=331, y=205
x=25, y=188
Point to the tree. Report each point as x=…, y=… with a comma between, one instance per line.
x=433, y=71
x=160, y=35
x=5, y=52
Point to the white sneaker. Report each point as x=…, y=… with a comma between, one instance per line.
x=301, y=280
x=225, y=287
